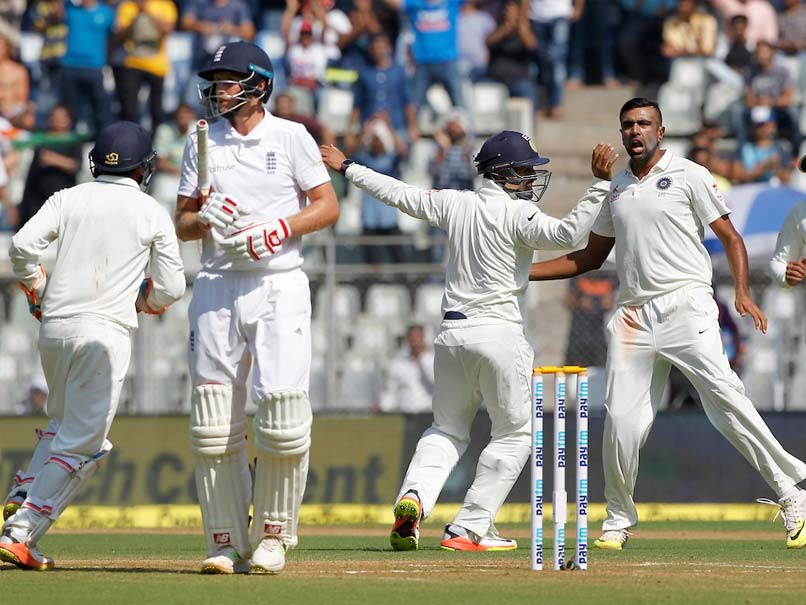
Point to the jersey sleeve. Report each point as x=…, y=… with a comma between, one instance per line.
x=791, y=244
x=33, y=239
x=165, y=265
x=706, y=198
x=432, y=206
x=543, y=232
x=309, y=169
x=603, y=225
x=189, y=177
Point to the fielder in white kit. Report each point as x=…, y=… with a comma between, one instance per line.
x=788, y=263
x=481, y=353
x=655, y=215
x=251, y=310
x=109, y=232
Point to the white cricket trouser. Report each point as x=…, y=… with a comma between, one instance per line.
x=680, y=329
x=476, y=360
x=243, y=318
x=85, y=360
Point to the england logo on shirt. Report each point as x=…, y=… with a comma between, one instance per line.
x=663, y=183
x=271, y=162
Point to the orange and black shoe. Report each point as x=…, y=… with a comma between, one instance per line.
x=23, y=556
x=457, y=537
x=406, y=531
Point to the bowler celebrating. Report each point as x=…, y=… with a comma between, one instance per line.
x=655, y=216
x=251, y=311
x=481, y=353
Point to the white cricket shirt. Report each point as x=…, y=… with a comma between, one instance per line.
x=658, y=223
x=107, y=232
x=268, y=170
x=491, y=238
x=791, y=244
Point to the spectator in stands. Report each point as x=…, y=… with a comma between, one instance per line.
x=143, y=27
x=36, y=398
x=707, y=158
x=169, y=143
x=11, y=14
x=215, y=22
x=15, y=102
x=763, y=158
x=474, y=24
x=594, y=31
x=409, y=380
x=638, y=42
x=307, y=61
x=382, y=87
x=435, y=47
x=762, y=21
x=89, y=23
x=9, y=214
x=589, y=298
x=328, y=24
x=551, y=23
x=739, y=57
x=354, y=44
x=512, y=46
x=284, y=108
x=689, y=32
x=770, y=85
x=792, y=28
x=48, y=20
x=452, y=166
x=383, y=151
x=55, y=164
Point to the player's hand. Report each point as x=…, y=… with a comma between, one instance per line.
x=745, y=305
x=332, y=156
x=795, y=271
x=602, y=160
x=141, y=302
x=36, y=291
x=257, y=241
x=221, y=210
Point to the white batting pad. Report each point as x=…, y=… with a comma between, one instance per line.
x=24, y=479
x=282, y=437
x=55, y=486
x=223, y=482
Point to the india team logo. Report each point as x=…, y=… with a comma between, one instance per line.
x=663, y=183
x=271, y=162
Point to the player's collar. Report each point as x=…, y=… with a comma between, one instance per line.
x=117, y=180
x=661, y=165
x=256, y=134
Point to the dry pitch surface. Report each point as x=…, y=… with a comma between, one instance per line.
x=734, y=562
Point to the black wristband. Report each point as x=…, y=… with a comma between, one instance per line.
x=346, y=164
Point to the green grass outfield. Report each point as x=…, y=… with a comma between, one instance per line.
x=666, y=562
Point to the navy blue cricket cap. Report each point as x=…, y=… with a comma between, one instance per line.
x=121, y=147
x=508, y=149
x=241, y=57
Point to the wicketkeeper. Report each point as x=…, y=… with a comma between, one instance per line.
x=481, y=353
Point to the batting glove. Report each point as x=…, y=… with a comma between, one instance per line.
x=257, y=241
x=220, y=210
x=34, y=293
x=141, y=303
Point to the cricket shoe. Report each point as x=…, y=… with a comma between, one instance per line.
x=792, y=510
x=17, y=496
x=457, y=537
x=406, y=530
x=613, y=539
x=226, y=561
x=23, y=556
x=269, y=556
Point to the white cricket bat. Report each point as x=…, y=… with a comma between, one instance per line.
x=201, y=154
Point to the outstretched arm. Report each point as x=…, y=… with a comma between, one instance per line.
x=575, y=263
x=733, y=244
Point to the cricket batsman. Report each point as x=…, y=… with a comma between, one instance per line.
x=251, y=310
x=481, y=353
x=110, y=232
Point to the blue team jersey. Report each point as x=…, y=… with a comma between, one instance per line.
x=87, y=33
x=434, y=25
